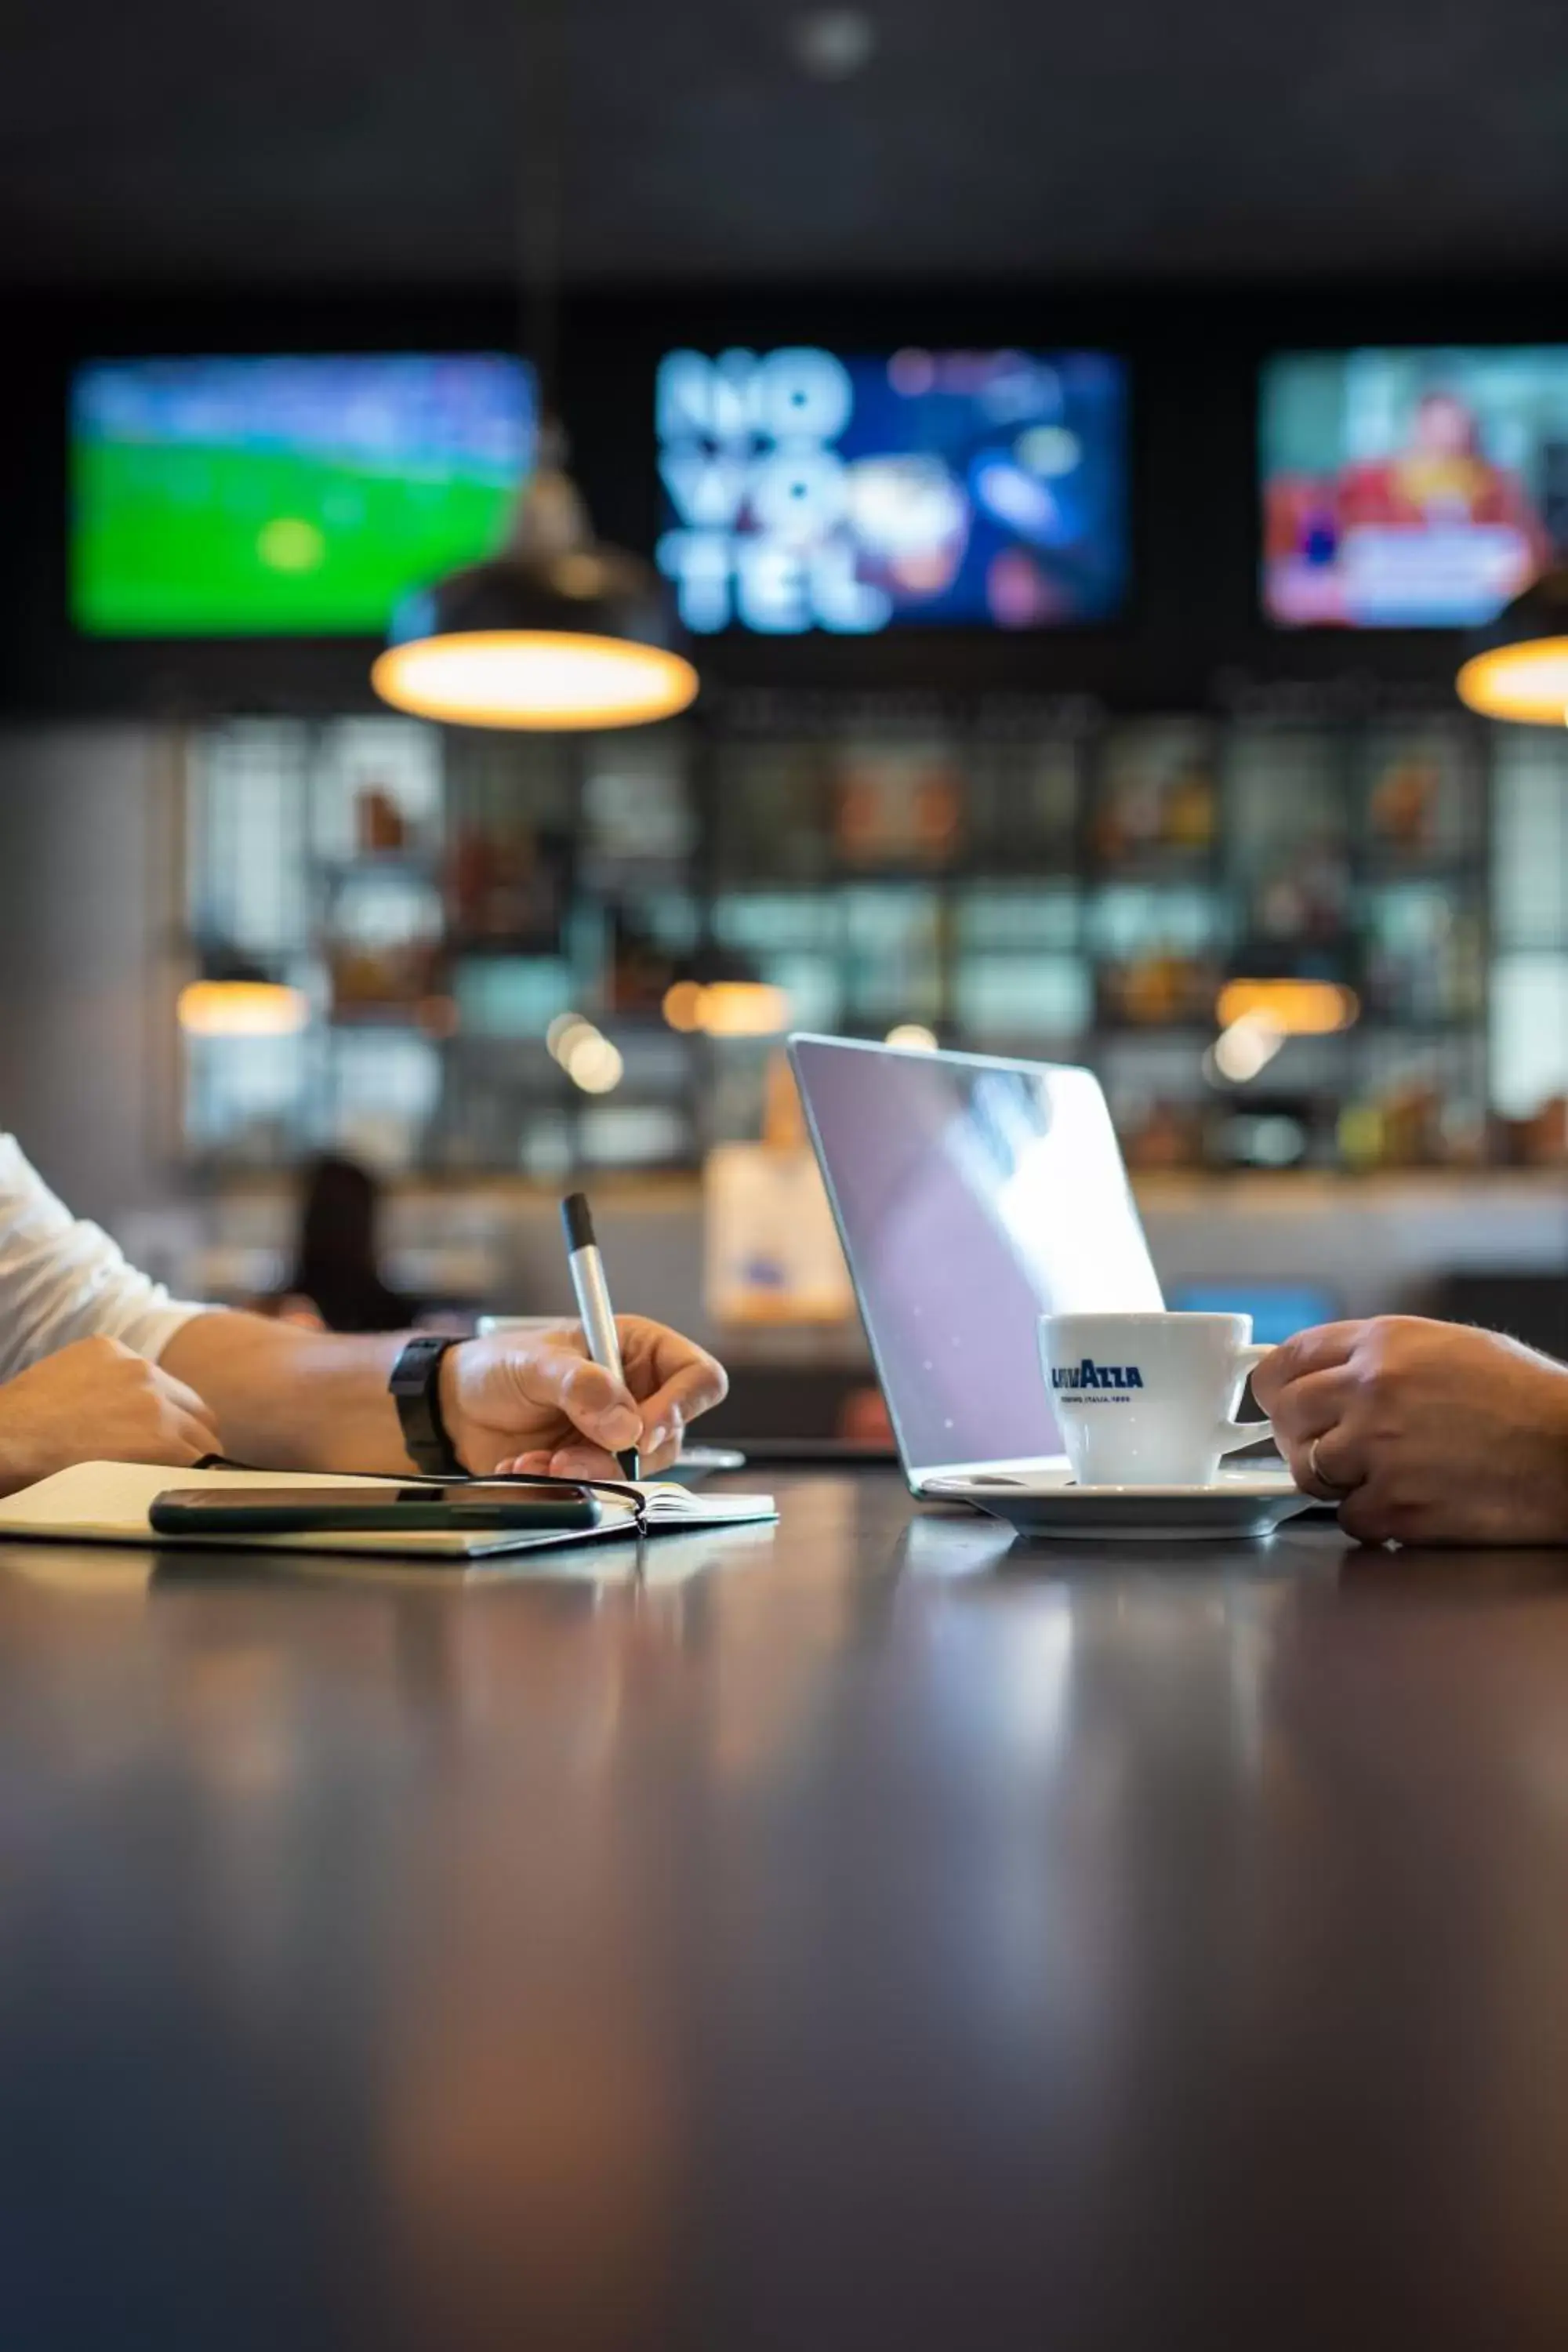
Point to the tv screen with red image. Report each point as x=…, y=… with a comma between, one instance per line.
x=1409, y=489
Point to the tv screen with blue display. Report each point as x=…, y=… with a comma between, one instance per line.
x=286, y=496
x=807, y=490
x=1410, y=489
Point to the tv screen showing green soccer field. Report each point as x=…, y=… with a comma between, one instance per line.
x=285, y=496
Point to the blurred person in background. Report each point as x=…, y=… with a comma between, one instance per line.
x=98, y=1363
x=336, y=1283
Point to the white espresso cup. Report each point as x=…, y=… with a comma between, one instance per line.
x=1149, y=1400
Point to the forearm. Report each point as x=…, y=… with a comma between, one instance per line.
x=293, y=1400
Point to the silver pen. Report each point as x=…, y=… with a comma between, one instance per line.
x=593, y=1295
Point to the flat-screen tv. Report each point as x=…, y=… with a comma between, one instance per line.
x=285, y=496
x=806, y=488
x=1409, y=489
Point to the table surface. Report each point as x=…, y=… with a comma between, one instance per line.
x=880, y=1937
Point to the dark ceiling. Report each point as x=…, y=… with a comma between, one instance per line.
x=346, y=141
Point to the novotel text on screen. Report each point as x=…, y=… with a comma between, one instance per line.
x=804, y=489
x=749, y=435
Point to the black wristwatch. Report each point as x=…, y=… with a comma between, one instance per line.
x=416, y=1384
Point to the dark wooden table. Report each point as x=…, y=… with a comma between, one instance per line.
x=876, y=1940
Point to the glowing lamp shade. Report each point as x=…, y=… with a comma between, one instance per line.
x=1520, y=669
x=571, y=637
x=241, y=1008
x=531, y=679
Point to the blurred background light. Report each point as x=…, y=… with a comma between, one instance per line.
x=563, y=1029
x=1294, y=1008
x=683, y=1004
x=1245, y=1048
x=832, y=44
x=591, y=1062
x=743, y=1008
x=722, y=994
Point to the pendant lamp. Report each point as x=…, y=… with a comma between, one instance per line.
x=557, y=630
x=1519, y=667
x=235, y=996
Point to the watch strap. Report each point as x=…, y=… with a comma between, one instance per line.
x=415, y=1386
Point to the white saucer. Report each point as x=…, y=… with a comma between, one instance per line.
x=1236, y=1505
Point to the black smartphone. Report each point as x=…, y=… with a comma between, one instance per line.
x=466, y=1508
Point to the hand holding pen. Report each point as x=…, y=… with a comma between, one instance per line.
x=537, y=1401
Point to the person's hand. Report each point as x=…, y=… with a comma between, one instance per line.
x=1424, y=1432
x=531, y=1400
x=97, y=1401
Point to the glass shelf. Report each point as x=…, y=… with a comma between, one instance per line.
x=1029, y=883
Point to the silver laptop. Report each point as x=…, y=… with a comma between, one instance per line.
x=973, y=1195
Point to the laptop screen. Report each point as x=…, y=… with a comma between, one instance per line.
x=971, y=1196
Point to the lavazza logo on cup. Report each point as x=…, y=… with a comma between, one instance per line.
x=1174, y=1383
x=1106, y=1380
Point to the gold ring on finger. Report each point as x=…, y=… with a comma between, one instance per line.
x=1319, y=1475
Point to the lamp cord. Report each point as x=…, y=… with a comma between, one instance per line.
x=541, y=175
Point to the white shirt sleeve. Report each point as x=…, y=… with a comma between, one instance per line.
x=62, y=1279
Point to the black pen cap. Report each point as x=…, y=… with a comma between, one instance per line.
x=577, y=1218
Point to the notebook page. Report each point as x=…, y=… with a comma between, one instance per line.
x=678, y=1507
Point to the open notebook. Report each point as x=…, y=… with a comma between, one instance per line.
x=108, y=1502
